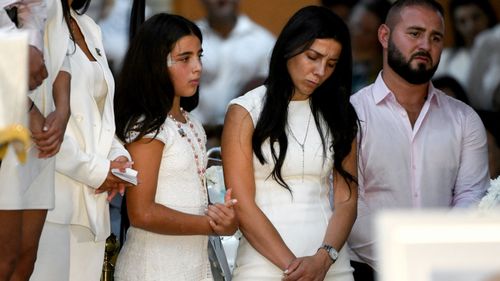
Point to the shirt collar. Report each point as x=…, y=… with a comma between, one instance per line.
x=381, y=91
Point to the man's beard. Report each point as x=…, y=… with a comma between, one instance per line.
x=402, y=67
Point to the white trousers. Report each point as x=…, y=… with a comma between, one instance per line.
x=68, y=253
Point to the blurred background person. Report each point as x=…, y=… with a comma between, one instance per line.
x=100, y=9
x=491, y=121
x=468, y=18
x=451, y=87
x=484, y=81
x=340, y=7
x=365, y=18
x=236, y=55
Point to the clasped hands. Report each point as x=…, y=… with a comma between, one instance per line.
x=222, y=217
x=309, y=268
x=48, y=133
x=112, y=184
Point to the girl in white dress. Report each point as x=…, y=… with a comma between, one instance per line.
x=281, y=144
x=168, y=210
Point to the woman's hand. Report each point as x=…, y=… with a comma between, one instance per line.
x=49, y=140
x=113, y=184
x=310, y=268
x=222, y=218
x=36, y=123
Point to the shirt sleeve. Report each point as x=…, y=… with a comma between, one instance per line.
x=161, y=135
x=66, y=65
x=473, y=175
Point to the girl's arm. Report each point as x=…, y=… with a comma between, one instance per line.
x=237, y=155
x=143, y=211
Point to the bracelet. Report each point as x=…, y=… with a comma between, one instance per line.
x=31, y=106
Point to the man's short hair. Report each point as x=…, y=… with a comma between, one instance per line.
x=401, y=4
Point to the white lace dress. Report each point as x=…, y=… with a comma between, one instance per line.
x=148, y=256
x=302, y=218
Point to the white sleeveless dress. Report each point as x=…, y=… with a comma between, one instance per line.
x=148, y=256
x=301, y=218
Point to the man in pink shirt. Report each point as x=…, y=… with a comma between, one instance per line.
x=418, y=147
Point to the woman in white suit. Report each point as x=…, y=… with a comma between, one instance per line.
x=73, y=238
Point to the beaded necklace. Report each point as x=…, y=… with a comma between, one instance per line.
x=301, y=144
x=199, y=154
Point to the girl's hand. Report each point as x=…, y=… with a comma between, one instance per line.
x=222, y=217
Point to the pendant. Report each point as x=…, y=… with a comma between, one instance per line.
x=181, y=132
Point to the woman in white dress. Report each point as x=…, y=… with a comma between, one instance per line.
x=281, y=144
x=168, y=210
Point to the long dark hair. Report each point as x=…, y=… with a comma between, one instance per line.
x=144, y=92
x=329, y=102
x=79, y=6
x=483, y=5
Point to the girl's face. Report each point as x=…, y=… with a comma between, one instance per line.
x=184, y=65
x=313, y=66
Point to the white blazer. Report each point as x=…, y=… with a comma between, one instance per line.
x=89, y=142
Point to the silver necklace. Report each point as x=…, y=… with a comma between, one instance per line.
x=302, y=144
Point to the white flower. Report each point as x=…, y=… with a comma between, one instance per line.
x=215, y=184
x=492, y=197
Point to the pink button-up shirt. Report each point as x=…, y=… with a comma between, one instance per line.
x=441, y=162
